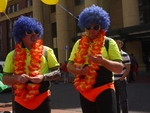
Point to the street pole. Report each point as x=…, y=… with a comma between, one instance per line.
x=66, y=49
x=66, y=55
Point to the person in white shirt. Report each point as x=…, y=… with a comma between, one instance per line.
x=120, y=80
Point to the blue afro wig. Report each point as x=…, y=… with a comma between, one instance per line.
x=94, y=15
x=25, y=24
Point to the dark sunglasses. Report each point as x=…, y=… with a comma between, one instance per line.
x=32, y=32
x=96, y=27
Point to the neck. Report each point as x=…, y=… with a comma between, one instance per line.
x=29, y=47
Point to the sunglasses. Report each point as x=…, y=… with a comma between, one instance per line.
x=32, y=32
x=96, y=27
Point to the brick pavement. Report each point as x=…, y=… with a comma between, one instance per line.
x=8, y=106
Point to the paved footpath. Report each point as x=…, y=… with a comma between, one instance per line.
x=65, y=98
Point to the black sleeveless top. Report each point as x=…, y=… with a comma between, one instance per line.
x=104, y=76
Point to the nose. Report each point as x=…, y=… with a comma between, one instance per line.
x=34, y=37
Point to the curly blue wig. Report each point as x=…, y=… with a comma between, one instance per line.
x=25, y=24
x=94, y=15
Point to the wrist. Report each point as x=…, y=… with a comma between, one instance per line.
x=52, y=75
x=16, y=78
x=44, y=77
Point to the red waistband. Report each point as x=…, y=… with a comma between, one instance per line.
x=34, y=103
x=93, y=93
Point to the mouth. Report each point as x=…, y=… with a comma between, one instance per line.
x=33, y=38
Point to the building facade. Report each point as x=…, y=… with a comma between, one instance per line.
x=129, y=22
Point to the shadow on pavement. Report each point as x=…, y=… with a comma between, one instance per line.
x=139, y=97
x=64, y=96
x=6, y=96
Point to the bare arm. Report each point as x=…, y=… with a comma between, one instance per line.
x=126, y=73
x=76, y=70
x=113, y=66
x=10, y=79
x=53, y=75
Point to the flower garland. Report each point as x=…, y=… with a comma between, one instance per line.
x=85, y=82
x=30, y=90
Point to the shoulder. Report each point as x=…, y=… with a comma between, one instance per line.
x=47, y=49
x=75, y=46
x=77, y=42
x=107, y=38
x=125, y=57
x=123, y=53
x=8, y=65
x=11, y=54
x=110, y=41
x=113, y=51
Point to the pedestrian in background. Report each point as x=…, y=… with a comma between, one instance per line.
x=27, y=68
x=65, y=72
x=133, y=68
x=93, y=65
x=120, y=81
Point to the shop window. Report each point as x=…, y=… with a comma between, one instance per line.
x=8, y=9
x=144, y=11
x=53, y=8
x=54, y=30
x=13, y=8
x=78, y=2
x=17, y=7
x=29, y=3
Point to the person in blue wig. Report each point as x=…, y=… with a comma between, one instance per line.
x=27, y=68
x=93, y=60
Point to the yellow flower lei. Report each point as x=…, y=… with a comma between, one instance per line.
x=30, y=90
x=85, y=82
